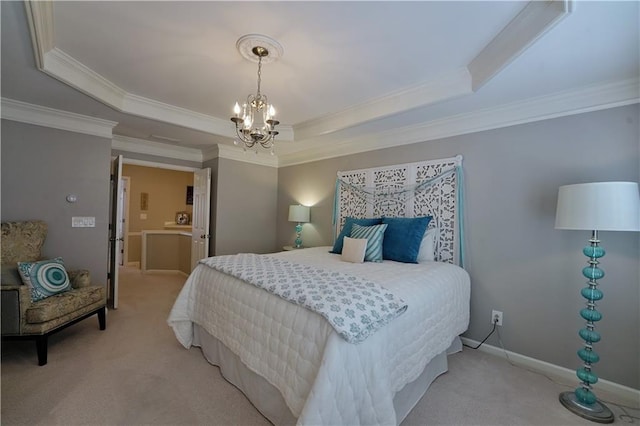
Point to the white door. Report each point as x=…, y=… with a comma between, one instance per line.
x=124, y=231
x=200, y=222
x=115, y=230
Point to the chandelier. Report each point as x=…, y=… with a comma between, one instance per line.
x=254, y=120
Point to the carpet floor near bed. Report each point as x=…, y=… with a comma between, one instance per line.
x=135, y=372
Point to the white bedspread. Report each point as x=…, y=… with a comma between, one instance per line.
x=324, y=379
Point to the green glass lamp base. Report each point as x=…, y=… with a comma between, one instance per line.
x=596, y=412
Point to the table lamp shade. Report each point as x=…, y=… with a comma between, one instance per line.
x=601, y=206
x=298, y=214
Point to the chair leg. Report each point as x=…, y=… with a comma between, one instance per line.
x=41, y=347
x=102, y=318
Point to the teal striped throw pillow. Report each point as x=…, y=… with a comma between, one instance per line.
x=374, y=235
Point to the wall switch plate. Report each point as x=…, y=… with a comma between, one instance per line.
x=83, y=222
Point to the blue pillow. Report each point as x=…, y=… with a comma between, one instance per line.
x=374, y=235
x=346, y=230
x=45, y=278
x=403, y=237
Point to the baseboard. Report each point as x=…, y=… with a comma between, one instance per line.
x=620, y=393
x=165, y=271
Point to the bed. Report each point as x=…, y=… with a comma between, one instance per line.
x=293, y=363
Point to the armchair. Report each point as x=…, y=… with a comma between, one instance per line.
x=23, y=318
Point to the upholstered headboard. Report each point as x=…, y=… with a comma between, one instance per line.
x=408, y=190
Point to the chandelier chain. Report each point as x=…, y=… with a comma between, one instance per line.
x=259, y=74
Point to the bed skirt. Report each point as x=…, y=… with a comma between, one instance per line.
x=268, y=400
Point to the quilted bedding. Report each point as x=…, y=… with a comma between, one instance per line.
x=322, y=378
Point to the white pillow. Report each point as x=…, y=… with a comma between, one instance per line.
x=353, y=249
x=428, y=246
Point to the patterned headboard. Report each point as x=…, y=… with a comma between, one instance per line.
x=407, y=190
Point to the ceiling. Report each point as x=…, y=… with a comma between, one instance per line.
x=353, y=76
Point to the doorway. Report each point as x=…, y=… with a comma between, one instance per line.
x=154, y=199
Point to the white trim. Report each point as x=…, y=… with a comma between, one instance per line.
x=623, y=394
x=40, y=19
x=67, y=69
x=134, y=162
x=150, y=108
x=141, y=146
x=77, y=75
x=165, y=271
x=54, y=118
x=446, y=87
x=576, y=101
x=238, y=154
x=535, y=20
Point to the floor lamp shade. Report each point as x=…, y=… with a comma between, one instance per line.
x=600, y=206
x=300, y=214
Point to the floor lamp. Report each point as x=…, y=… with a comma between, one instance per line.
x=601, y=206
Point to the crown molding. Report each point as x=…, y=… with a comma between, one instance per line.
x=40, y=19
x=533, y=21
x=523, y=31
x=54, y=118
x=67, y=69
x=141, y=146
x=238, y=154
x=156, y=165
x=536, y=19
x=578, y=101
x=446, y=87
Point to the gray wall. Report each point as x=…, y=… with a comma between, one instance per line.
x=517, y=261
x=245, y=206
x=40, y=167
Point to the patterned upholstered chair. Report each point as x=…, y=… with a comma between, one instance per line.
x=23, y=318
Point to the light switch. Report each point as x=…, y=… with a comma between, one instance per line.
x=83, y=222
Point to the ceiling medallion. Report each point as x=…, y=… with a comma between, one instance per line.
x=254, y=120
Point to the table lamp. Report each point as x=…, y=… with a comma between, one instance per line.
x=600, y=206
x=300, y=214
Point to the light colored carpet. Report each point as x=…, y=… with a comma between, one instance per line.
x=135, y=372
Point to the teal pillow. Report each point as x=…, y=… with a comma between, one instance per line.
x=346, y=230
x=44, y=278
x=374, y=235
x=403, y=237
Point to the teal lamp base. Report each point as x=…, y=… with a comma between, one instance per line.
x=298, y=241
x=596, y=412
x=583, y=401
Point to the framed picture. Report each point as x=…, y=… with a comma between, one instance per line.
x=182, y=218
x=144, y=201
x=189, y=195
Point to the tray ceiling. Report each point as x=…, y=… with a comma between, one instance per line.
x=169, y=72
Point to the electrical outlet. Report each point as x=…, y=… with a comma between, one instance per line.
x=496, y=315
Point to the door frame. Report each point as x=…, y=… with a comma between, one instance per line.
x=153, y=164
